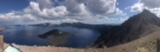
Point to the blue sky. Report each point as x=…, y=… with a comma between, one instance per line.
x=9, y=5
x=125, y=3
x=61, y=11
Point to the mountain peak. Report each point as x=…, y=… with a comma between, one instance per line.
x=135, y=27
x=146, y=11
x=145, y=17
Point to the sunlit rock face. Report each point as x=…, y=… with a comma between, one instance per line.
x=56, y=37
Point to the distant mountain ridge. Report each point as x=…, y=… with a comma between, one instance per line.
x=134, y=28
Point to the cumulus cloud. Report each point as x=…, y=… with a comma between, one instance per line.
x=76, y=8
x=137, y=7
x=102, y=6
x=65, y=11
x=152, y=5
x=45, y=3
x=16, y=15
x=34, y=9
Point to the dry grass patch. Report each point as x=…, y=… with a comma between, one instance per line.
x=142, y=49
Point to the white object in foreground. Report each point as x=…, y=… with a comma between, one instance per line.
x=11, y=49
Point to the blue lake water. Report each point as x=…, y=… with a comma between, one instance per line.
x=28, y=35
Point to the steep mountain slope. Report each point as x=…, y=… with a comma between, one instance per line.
x=136, y=27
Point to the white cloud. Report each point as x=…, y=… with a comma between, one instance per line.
x=45, y=3
x=9, y=16
x=106, y=7
x=137, y=7
x=76, y=8
x=34, y=9
x=156, y=11
x=152, y=5
x=68, y=11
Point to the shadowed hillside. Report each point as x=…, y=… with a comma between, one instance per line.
x=136, y=27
